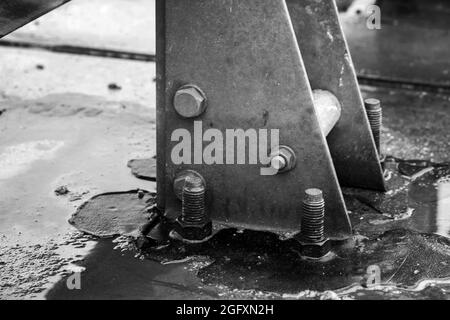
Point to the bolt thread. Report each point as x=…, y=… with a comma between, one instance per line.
x=375, y=115
x=313, y=219
x=193, y=199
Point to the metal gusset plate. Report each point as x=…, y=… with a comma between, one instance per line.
x=16, y=13
x=330, y=67
x=244, y=55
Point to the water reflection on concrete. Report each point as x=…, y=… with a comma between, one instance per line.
x=117, y=274
x=443, y=209
x=429, y=195
x=417, y=199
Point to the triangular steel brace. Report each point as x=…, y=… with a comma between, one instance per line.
x=245, y=57
x=329, y=67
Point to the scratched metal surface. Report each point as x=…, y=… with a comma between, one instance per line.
x=16, y=13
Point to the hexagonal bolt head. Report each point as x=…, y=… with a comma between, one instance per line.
x=283, y=159
x=314, y=250
x=189, y=101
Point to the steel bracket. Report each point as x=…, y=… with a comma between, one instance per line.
x=257, y=62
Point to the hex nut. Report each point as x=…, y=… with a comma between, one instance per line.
x=193, y=233
x=314, y=250
x=289, y=158
x=189, y=101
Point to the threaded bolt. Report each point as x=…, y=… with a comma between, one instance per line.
x=313, y=219
x=375, y=115
x=193, y=209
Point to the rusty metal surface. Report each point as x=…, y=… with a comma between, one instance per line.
x=16, y=13
x=412, y=46
x=329, y=66
x=244, y=56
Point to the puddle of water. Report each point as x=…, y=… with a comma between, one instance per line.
x=116, y=274
x=429, y=195
x=260, y=261
x=418, y=198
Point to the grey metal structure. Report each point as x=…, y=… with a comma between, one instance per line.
x=329, y=66
x=252, y=64
x=256, y=62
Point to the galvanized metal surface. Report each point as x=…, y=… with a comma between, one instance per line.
x=329, y=67
x=245, y=57
x=16, y=13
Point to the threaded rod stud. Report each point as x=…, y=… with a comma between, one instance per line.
x=193, y=202
x=313, y=219
x=375, y=115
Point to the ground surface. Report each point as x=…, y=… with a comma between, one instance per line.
x=421, y=29
x=70, y=125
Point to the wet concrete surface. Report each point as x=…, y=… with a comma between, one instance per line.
x=62, y=78
x=416, y=200
x=59, y=131
x=415, y=123
x=411, y=46
x=51, y=143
